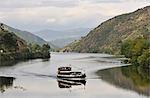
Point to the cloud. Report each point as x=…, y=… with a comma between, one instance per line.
x=51, y=20
x=103, y=1
x=43, y=14
x=115, y=1
x=37, y=3
x=55, y=3
x=60, y=3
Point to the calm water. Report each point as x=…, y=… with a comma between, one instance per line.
x=105, y=78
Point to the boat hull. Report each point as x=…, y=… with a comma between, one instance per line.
x=77, y=80
x=67, y=83
x=71, y=76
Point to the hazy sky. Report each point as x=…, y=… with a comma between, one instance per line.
x=34, y=15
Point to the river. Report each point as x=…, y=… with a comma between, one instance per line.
x=37, y=78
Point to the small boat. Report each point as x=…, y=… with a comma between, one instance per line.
x=66, y=72
x=67, y=78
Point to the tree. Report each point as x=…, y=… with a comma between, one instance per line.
x=45, y=51
x=138, y=51
x=126, y=48
x=139, y=45
x=144, y=59
x=9, y=41
x=45, y=48
x=35, y=48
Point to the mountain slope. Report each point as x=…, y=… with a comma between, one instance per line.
x=108, y=36
x=27, y=36
x=9, y=42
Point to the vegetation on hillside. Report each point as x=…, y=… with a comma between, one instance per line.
x=27, y=36
x=109, y=35
x=13, y=48
x=138, y=51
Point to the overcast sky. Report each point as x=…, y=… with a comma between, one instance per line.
x=34, y=15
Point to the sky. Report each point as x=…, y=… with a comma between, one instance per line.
x=35, y=15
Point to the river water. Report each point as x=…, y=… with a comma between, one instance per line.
x=37, y=78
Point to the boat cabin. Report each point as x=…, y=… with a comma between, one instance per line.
x=64, y=69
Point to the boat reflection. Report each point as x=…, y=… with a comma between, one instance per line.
x=128, y=77
x=5, y=83
x=67, y=83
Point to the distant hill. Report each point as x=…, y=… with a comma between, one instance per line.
x=109, y=35
x=53, y=46
x=60, y=43
x=50, y=35
x=27, y=36
x=60, y=38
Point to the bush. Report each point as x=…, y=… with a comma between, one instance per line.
x=138, y=51
x=144, y=59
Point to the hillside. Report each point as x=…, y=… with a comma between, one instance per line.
x=27, y=36
x=14, y=48
x=109, y=35
x=9, y=42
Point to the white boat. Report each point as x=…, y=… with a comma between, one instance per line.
x=67, y=73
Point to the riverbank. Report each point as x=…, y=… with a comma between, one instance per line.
x=12, y=58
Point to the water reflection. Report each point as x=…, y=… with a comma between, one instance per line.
x=7, y=63
x=129, y=77
x=5, y=83
x=45, y=60
x=65, y=83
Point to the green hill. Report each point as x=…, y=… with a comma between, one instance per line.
x=9, y=42
x=109, y=35
x=27, y=36
x=14, y=49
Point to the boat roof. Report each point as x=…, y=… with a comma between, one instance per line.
x=67, y=68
